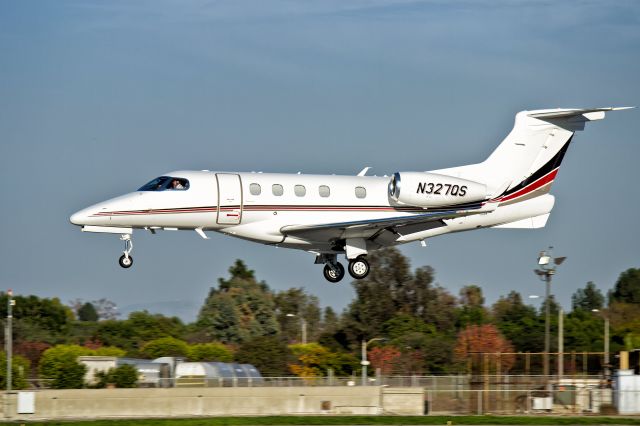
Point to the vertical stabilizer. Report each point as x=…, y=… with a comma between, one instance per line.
x=529, y=157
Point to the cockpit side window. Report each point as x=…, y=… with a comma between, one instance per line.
x=166, y=183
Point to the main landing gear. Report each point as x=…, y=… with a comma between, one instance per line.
x=334, y=271
x=126, y=260
x=359, y=267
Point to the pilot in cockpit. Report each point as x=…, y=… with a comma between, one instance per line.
x=175, y=184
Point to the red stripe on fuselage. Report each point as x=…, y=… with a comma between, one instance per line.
x=548, y=178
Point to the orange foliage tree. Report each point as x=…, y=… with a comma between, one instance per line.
x=384, y=358
x=484, y=339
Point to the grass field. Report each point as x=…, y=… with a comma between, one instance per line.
x=354, y=420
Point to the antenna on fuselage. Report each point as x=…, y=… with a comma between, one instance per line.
x=364, y=171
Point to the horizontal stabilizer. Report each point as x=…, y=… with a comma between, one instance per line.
x=590, y=114
x=528, y=223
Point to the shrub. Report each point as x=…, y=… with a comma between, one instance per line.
x=124, y=376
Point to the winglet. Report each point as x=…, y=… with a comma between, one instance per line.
x=364, y=171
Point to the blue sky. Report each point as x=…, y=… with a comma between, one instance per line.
x=97, y=98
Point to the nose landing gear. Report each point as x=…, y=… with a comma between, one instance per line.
x=126, y=260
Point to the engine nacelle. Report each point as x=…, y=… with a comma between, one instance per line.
x=423, y=189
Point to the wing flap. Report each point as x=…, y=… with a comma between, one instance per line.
x=366, y=228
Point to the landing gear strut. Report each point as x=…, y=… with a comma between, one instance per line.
x=126, y=260
x=359, y=267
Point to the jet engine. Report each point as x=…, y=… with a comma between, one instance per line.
x=429, y=190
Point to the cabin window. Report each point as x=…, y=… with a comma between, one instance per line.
x=255, y=189
x=168, y=183
x=277, y=189
x=300, y=190
x=361, y=192
x=324, y=191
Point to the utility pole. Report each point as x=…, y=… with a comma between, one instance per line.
x=560, y=344
x=365, y=362
x=606, y=348
x=9, y=348
x=9, y=338
x=547, y=270
x=605, y=315
x=303, y=325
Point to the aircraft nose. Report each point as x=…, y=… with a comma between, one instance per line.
x=79, y=217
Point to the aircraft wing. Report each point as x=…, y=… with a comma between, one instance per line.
x=370, y=228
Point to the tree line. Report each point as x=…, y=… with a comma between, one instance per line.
x=414, y=326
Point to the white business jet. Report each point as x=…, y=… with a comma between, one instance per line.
x=329, y=215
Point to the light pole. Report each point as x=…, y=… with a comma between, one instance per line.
x=605, y=316
x=365, y=363
x=545, y=272
x=560, y=344
x=303, y=327
x=9, y=338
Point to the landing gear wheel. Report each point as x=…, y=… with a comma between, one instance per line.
x=125, y=261
x=359, y=268
x=333, y=275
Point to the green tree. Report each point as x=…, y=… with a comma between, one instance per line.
x=240, y=309
x=140, y=327
x=20, y=367
x=391, y=288
x=472, y=310
x=166, y=346
x=627, y=288
x=59, y=364
x=269, y=354
x=209, y=352
x=38, y=319
x=123, y=376
x=314, y=360
x=147, y=326
x=293, y=306
x=330, y=320
x=109, y=351
x=117, y=333
x=404, y=324
x=87, y=312
x=587, y=298
x=376, y=300
x=519, y=323
x=583, y=331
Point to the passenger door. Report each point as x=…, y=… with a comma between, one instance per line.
x=229, y=198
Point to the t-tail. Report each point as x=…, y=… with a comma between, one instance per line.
x=526, y=163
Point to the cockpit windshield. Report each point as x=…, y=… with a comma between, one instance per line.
x=163, y=183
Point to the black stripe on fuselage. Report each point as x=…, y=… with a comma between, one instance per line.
x=549, y=166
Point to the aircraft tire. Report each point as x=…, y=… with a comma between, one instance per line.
x=359, y=268
x=124, y=262
x=331, y=276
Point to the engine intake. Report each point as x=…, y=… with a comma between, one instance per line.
x=422, y=189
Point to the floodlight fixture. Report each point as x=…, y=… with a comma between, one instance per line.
x=544, y=259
